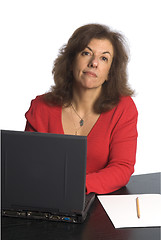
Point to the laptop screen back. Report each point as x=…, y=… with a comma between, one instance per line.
x=43, y=172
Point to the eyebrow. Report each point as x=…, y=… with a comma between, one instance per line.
x=102, y=53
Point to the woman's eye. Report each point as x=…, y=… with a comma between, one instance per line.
x=104, y=59
x=84, y=53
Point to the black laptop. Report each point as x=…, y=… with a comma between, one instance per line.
x=44, y=176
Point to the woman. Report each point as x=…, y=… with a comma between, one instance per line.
x=91, y=97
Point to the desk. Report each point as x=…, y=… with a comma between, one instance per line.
x=97, y=225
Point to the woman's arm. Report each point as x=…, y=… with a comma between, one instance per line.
x=122, y=154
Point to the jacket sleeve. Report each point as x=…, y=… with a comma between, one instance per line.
x=122, y=154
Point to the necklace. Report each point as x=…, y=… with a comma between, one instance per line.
x=76, y=129
x=81, y=122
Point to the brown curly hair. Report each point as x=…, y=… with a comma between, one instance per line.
x=117, y=84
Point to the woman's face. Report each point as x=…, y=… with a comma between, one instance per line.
x=92, y=65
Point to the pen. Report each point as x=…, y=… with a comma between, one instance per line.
x=138, y=207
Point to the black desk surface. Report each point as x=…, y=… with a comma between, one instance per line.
x=97, y=225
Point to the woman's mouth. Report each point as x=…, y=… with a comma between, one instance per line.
x=90, y=73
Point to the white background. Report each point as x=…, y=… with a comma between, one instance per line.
x=32, y=32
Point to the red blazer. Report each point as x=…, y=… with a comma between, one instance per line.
x=111, y=144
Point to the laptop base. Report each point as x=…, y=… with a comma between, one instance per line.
x=43, y=216
x=57, y=217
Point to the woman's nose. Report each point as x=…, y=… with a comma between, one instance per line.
x=93, y=62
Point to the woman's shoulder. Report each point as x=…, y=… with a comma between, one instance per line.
x=38, y=100
x=39, y=104
x=127, y=106
x=41, y=115
x=126, y=102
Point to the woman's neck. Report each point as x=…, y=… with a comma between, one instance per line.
x=84, y=99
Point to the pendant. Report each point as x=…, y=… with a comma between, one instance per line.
x=81, y=122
